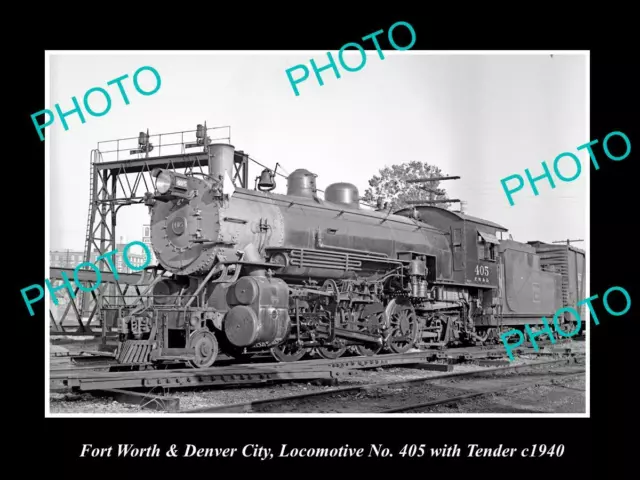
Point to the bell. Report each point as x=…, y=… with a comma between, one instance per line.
x=266, y=180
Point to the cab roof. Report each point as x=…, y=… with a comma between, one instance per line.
x=461, y=216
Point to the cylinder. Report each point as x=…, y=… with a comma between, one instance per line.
x=246, y=291
x=245, y=328
x=242, y=326
x=221, y=160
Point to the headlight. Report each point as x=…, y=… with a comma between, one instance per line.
x=163, y=182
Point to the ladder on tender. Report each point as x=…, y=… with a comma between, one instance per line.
x=558, y=257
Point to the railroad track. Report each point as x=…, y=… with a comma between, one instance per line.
x=125, y=386
x=375, y=397
x=536, y=381
x=91, y=378
x=88, y=360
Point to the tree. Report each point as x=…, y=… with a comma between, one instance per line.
x=391, y=185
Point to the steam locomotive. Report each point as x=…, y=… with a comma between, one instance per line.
x=250, y=271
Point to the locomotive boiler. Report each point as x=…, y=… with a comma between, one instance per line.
x=251, y=271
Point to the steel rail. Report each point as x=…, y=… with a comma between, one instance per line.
x=248, y=406
x=197, y=379
x=234, y=373
x=229, y=375
x=481, y=393
x=356, y=362
x=70, y=370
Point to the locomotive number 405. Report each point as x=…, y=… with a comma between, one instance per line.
x=482, y=270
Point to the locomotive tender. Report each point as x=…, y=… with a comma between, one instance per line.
x=250, y=271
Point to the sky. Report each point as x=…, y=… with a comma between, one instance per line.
x=480, y=117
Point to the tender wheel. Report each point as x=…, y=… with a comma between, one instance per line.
x=403, y=326
x=206, y=347
x=289, y=352
x=331, y=353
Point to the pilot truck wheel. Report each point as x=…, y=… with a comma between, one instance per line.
x=206, y=349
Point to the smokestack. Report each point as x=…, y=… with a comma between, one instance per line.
x=221, y=159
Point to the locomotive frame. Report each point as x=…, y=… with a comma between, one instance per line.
x=244, y=272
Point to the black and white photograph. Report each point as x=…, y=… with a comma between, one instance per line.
x=377, y=233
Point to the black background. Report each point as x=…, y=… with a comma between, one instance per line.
x=55, y=450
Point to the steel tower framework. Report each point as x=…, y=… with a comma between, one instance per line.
x=121, y=176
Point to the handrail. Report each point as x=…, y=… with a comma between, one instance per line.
x=164, y=133
x=133, y=148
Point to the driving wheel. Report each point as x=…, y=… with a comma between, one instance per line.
x=404, y=328
x=288, y=352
